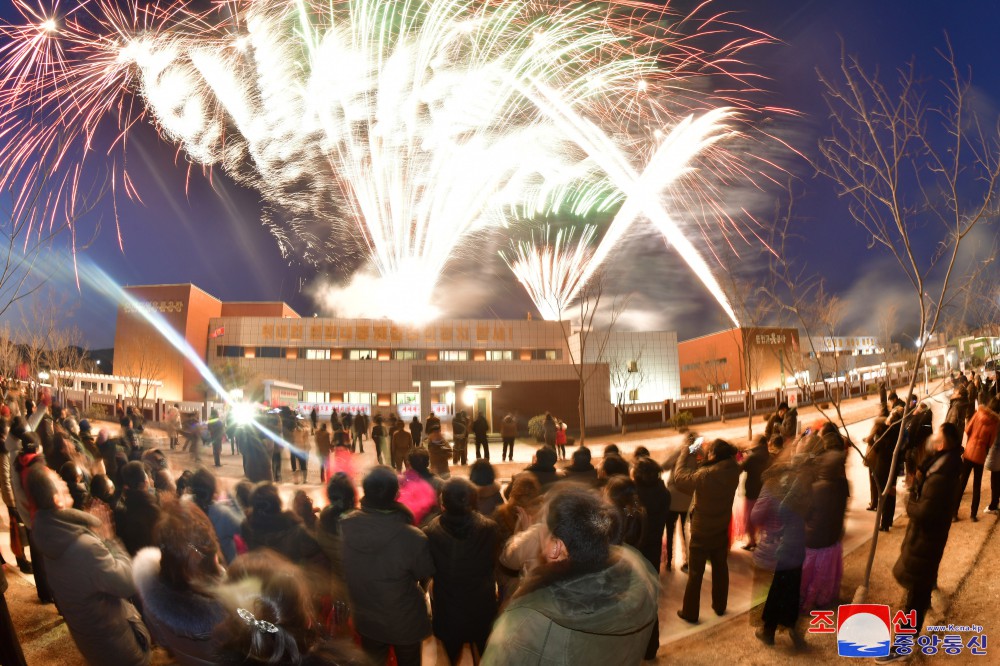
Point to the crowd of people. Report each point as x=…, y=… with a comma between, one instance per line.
x=561, y=565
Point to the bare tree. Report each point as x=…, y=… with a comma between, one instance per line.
x=753, y=308
x=65, y=350
x=714, y=375
x=627, y=376
x=10, y=352
x=918, y=179
x=141, y=363
x=591, y=337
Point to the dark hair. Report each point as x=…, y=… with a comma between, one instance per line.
x=646, y=472
x=614, y=465
x=611, y=450
x=341, y=493
x=203, y=487
x=102, y=488
x=583, y=522
x=546, y=456
x=641, y=452
x=133, y=474
x=381, y=487
x=243, y=490
x=302, y=506
x=458, y=496
x=581, y=458
x=188, y=548
x=623, y=494
x=30, y=442
x=41, y=488
x=722, y=450
x=265, y=499
x=419, y=459
x=952, y=435
x=273, y=590
x=482, y=473
x=783, y=405
x=995, y=404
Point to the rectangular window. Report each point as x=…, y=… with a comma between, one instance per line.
x=454, y=355
x=499, y=355
x=407, y=354
x=355, y=398
x=363, y=355
x=315, y=396
x=317, y=354
x=633, y=366
x=409, y=398
x=633, y=395
x=270, y=352
x=546, y=354
x=229, y=351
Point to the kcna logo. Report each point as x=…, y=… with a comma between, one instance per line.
x=863, y=630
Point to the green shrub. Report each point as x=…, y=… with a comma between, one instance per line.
x=536, y=427
x=682, y=420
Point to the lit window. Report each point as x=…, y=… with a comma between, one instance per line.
x=633, y=366
x=407, y=355
x=499, y=355
x=633, y=395
x=355, y=398
x=454, y=355
x=408, y=398
x=317, y=354
x=363, y=355
x=315, y=396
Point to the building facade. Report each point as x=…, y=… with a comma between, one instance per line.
x=370, y=365
x=643, y=365
x=716, y=362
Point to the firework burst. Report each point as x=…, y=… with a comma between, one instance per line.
x=392, y=129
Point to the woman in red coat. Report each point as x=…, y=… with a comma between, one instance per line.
x=981, y=431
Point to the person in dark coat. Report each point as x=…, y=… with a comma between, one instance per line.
x=91, y=578
x=10, y=646
x=460, y=445
x=549, y=430
x=464, y=546
x=655, y=500
x=826, y=481
x=386, y=560
x=581, y=470
x=882, y=459
x=543, y=467
x=416, y=430
x=508, y=433
x=757, y=459
x=268, y=526
x=138, y=510
x=930, y=507
x=216, y=430
x=483, y=477
x=481, y=430
x=958, y=408
x=782, y=502
x=713, y=486
x=774, y=423
x=256, y=458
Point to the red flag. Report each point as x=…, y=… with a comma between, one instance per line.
x=217, y=332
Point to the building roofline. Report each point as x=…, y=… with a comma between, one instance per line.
x=264, y=303
x=174, y=284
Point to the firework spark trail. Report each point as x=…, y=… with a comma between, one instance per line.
x=551, y=271
x=675, y=155
x=402, y=126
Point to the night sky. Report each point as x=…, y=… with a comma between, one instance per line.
x=212, y=236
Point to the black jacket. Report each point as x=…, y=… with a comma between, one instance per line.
x=135, y=519
x=385, y=558
x=757, y=460
x=464, y=595
x=930, y=508
x=655, y=500
x=283, y=533
x=828, y=492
